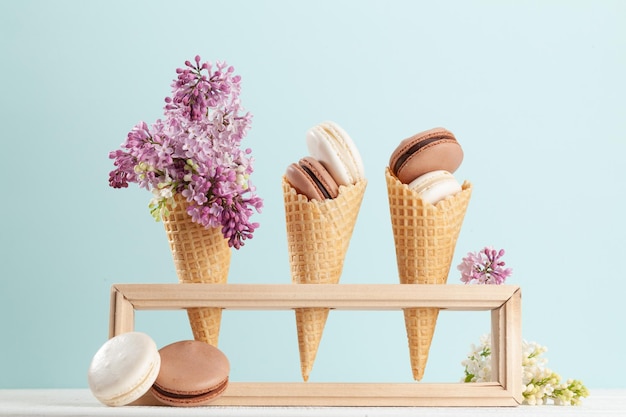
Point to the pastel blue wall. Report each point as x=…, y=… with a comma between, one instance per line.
x=533, y=90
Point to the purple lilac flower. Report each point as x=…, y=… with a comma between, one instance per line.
x=484, y=267
x=195, y=151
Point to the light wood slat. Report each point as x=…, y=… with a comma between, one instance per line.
x=359, y=394
x=122, y=314
x=289, y=296
x=513, y=348
x=498, y=338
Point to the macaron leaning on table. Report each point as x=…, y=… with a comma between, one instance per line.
x=124, y=369
x=193, y=373
x=332, y=146
x=431, y=150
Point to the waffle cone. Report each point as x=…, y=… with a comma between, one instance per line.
x=425, y=237
x=200, y=255
x=318, y=236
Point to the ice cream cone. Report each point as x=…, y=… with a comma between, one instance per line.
x=318, y=235
x=200, y=255
x=425, y=238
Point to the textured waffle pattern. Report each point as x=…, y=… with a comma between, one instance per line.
x=310, y=324
x=420, y=327
x=318, y=236
x=200, y=256
x=425, y=238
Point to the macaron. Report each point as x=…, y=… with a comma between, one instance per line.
x=193, y=373
x=310, y=178
x=332, y=146
x=124, y=368
x=435, y=186
x=431, y=150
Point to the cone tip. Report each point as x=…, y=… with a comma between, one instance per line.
x=418, y=374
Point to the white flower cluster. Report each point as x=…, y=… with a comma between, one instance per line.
x=539, y=383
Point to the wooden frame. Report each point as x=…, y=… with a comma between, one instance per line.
x=504, y=301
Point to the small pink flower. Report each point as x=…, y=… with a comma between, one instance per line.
x=484, y=267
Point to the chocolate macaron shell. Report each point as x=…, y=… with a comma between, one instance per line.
x=302, y=182
x=311, y=179
x=192, y=373
x=321, y=176
x=431, y=150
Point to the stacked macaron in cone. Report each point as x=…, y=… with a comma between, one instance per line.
x=322, y=196
x=427, y=206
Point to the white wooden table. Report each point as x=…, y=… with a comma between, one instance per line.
x=80, y=402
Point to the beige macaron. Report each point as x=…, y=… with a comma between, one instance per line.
x=333, y=147
x=435, y=186
x=124, y=369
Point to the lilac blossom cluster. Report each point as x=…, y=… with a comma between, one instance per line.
x=539, y=383
x=194, y=151
x=484, y=267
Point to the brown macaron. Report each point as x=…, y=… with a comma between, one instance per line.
x=431, y=150
x=311, y=179
x=192, y=373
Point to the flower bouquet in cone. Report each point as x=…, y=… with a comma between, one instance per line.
x=322, y=198
x=200, y=255
x=192, y=162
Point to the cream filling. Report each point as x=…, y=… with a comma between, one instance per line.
x=137, y=388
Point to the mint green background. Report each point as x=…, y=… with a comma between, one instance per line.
x=535, y=92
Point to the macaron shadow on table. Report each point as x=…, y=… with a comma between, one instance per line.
x=504, y=302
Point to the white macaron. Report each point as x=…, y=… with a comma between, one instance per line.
x=124, y=369
x=333, y=147
x=435, y=186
